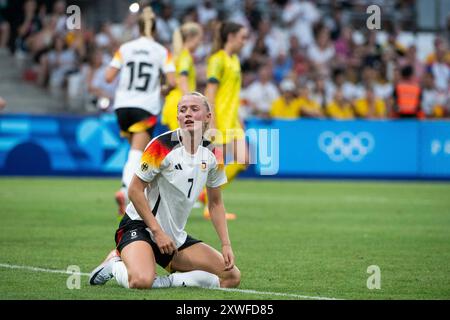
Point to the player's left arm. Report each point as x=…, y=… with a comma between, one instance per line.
x=217, y=212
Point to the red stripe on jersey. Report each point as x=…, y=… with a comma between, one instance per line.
x=155, y=154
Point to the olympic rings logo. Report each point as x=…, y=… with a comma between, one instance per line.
x=346, y=145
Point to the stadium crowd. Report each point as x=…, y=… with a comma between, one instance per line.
x=299, y=61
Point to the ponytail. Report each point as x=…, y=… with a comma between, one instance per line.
x=177, y=42
x=180, y=35
x=223, y=29
x=147, y=22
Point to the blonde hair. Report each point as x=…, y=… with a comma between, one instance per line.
x=147, y=22
x=180, y=35
x=201, y=96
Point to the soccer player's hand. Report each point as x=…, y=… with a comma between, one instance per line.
x=228, y=256
x=165, y=243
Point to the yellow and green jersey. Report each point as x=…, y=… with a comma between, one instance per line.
x=184, y=65
x=225, y=70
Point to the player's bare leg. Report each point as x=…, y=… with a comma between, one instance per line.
x=201, y=256
x=140, y=264
x=241, y=159
x=138, y=142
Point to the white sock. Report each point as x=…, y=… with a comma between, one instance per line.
x=134, y=158
x=196, y=278
x=119, y=270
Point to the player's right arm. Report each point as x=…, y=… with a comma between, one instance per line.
x=213, y=74
x=168, y=69
x=153, y=161
x=136, y=193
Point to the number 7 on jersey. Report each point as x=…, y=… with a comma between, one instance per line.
x=191, y=181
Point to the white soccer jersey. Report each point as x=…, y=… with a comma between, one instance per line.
x=176, y=179
x=141, y=62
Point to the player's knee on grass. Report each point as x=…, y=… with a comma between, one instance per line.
x=140, y=281
x=230, y=279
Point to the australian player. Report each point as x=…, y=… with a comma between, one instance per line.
x=186, y=40
x=174, y=169
x=223, y=92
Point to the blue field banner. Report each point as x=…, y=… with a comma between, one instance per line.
x=434, y=149
x=46, y=145
x=92, y=146
x=345, y=148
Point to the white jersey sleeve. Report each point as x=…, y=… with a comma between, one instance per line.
x=216, y=174
x=117, y=60
x=153, y=161
x=168, y=65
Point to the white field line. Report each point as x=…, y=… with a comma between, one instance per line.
x=291, y=295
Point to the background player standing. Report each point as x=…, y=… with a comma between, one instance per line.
x=185, y=41
x=137, y=101
x=223, y=92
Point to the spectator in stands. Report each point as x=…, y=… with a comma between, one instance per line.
x=308, y=107
x=300, y=17
x=370, y=106
x=5, y=29
x=322, y=52
x=287, y=106
x=31, y=24
x=319, y=91
x=166, y=25
x=2, y=103
x=283, y=65
x=206, y=12
x=101, y=91
x=59, y=63
x=105, y=39
x=407, y=95
x=339, y=108
x=433, y=101
x=441, y=70
x=262, y=93
x=59, y=14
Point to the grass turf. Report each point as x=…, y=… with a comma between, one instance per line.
x=312, y=238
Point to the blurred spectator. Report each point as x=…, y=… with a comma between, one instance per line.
x=2, y=103
x=5, y=29
x=319, y=91
x=262, y=93
x=105, y=39
x=370, y=107
x=322, y=53
x=30, y=25
x=59, y=14
x=166, y=24
x=300, y=17
x=308, y=107
x=407, y=95
x=441, y=71
x=339, y=107
x=102, y=93
x=59, y=63
x=433, y=101
x=287, y=106
x=282, y=67
x=206, y=12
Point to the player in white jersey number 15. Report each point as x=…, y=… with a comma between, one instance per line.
x=174, y=169
x=137, y=104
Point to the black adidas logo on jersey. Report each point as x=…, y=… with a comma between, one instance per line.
x=178, y=167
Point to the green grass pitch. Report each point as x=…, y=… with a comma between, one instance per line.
x=305, y=238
